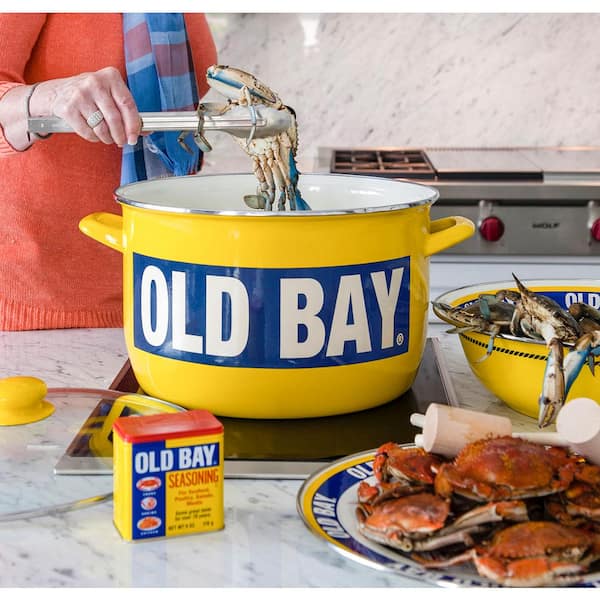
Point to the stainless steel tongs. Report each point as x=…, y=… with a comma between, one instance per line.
x=239, y=121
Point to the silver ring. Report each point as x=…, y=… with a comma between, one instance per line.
x=95, y=119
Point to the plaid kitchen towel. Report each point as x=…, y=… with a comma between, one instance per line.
x=160, y=75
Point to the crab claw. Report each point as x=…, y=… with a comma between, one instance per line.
x=577, y=357
x=553, y=392
x=257, y=201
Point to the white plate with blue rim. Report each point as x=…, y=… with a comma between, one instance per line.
x=327, y=504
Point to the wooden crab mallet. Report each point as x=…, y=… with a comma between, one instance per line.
x=447, y=429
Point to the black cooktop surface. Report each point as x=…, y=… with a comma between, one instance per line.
x=293, y=448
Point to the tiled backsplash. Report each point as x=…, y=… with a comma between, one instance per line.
x=419, y=79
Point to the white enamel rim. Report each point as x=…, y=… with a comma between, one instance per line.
x=328, y=194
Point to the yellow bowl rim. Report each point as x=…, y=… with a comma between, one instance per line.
x=463, y=294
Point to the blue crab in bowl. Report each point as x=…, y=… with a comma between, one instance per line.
x=533, y=344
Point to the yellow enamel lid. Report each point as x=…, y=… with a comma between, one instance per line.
x=22, y=400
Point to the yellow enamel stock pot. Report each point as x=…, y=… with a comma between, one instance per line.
x=260, y=314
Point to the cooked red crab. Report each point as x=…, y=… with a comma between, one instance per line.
x=418, y=521
x=579, y=504
x=398, y=463
x=503, y=468
x=536, y=553
x=381, y=492
x=399, y=471
x=399, y=521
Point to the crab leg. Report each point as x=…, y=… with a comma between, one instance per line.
x=561, y=374
x=511, y=510
x=294, y=192
x=274, y=163
x=494, y=331
x=442, y=539
x=270, y=185
x=279, y=175
x=489, y=315
x=585, y=350
x=442, y=563
x=553, y=390
x=472, y=521
x=261, y=199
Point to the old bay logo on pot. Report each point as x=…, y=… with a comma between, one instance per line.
x=274, y=318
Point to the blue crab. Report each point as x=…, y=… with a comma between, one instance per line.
x=538, y=315
x=274, y=156
x=487, y=315
x=524, y=313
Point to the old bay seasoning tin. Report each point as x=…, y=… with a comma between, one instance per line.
x=167, y=474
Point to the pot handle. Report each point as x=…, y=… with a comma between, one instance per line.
x=106, y=228
x=447, y=232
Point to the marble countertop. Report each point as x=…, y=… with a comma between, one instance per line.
x=264, y=543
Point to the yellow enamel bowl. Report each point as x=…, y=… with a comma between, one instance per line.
x=514, y=371
x=263, y=314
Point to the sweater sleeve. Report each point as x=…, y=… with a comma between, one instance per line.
x=18, y=35
x=202, y=43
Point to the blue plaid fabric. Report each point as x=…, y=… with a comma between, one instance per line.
x=160, y=75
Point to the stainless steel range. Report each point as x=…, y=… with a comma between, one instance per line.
x=537, y=210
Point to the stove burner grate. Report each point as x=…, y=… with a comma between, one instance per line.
x=392, y=163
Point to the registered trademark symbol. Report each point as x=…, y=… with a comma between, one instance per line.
x=400, y=339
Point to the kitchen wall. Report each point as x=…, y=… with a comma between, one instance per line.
x=419, y=79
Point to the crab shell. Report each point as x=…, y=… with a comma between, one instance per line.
x=418, y=522
x=537, y=553
x=504, y=468
x=381, y=492
x=395, y=522
x=398, y=463
x=534, y=553
x=547, y=313
x=579, y=504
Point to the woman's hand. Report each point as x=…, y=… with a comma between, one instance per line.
x=76, y=99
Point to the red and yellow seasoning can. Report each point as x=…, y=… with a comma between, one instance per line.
x=167, y=474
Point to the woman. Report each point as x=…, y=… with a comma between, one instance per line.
x=75, y=66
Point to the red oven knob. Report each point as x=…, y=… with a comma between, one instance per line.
x=595, y=230
x=491, y=229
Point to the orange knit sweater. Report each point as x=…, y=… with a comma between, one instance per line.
x=51, y=275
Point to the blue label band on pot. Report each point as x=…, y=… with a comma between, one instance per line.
x=271, y=318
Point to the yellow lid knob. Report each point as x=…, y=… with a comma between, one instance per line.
x=22, y=400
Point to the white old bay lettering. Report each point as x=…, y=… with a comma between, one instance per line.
x=153, y=461
x=591, y=298
x=197, y=456
x=304, y=332
x=324, y=510
x=154, y=287
x=188, y=457
x=350, y=299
